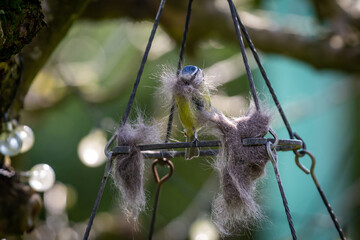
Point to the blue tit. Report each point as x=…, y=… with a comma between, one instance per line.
x=191, y=97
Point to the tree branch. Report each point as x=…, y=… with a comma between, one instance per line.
x=317, y=51
x=59, y=17
x=342, y=17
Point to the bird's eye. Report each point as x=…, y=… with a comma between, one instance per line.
x=187, y=83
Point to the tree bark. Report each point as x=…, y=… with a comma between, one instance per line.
x=19, y=23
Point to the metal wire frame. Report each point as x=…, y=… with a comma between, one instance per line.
x=283, y=145
x=270, y=147
x=238, y=25
x=243, y=53
x=179, y=66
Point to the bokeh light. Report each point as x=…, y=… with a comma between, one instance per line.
x=203, y=229
x=55, y=199
x=46, y=90
x=91, y=148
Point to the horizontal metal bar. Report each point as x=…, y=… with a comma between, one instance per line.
x=292, y=143
x=173, y=154
x=126, y=149
x=283, y=145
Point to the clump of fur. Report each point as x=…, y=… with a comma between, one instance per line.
x=167, y=79
x=239, y=167
x=128, y=170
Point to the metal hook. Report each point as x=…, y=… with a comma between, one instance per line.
x=108, y=166
x=270, y=153
x=297, y=136
x=107, y=151
x=276, y=138
x=162, y=161
x=302, y=153
x=270, y=147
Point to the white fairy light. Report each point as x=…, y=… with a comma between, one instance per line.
x=42, y=177
x=27, y=137
x=91, y=148
x=203, y=229
x=10, y=143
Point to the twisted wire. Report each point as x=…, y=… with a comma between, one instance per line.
x=331, y=212
x=171, y=115
x=285, y=203
x=153, y=217
x=179, y=66
x=265, y=77
x=143, y=61
x=243, y=53
x=274, y=162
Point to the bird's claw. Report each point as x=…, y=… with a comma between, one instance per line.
x=195, y=142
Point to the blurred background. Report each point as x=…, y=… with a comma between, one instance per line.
x=77, y=100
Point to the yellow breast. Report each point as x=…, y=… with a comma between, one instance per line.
x=187, y=114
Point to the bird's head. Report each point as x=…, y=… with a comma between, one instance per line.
x=191, y=76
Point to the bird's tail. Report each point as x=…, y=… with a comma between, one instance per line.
x=193, y=151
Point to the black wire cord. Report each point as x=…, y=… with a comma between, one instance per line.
x=171, y=115
x=274, y=161
x=264, y=75
x=170, y=122
x=183, y=42
x=285, y=203
x=153, y=217
x=331, y=212
x=125, y=117
x=181, y=57
x=98, y=199
x=143, y=61
x=243, y=53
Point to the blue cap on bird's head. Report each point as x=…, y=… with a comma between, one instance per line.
x=190, y=69
x=189, y=72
